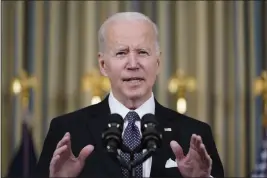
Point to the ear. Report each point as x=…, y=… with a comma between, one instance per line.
x=102, y=64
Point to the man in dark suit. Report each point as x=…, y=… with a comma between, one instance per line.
x=130, y=57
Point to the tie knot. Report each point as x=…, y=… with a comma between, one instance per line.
x=132, y=116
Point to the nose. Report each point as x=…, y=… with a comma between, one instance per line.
x=132, y=62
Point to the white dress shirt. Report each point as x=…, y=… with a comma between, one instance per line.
x=147, y=107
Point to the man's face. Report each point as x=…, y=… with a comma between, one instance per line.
x=130, y=61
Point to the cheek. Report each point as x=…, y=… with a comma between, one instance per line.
x=151, y=74
x=115, y=70
x=152, y=70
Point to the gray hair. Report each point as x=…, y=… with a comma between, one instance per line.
x=125, y=16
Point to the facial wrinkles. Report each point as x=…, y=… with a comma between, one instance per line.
x=117, y=40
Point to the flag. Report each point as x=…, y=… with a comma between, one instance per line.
x=25, y=159
x=260, y=169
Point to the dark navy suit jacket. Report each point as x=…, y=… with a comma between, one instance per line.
x=87, y=124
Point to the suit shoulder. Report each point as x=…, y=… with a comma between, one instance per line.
x=185, y=119
x=74, y=115
x=189, y=125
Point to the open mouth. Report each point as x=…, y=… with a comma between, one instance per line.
x=133, y=79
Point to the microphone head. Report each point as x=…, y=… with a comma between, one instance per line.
x=151, y=136
x=148, y=119
x=115, y=119
x=112, y=134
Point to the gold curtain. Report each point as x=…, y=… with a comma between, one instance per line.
x=216, y=42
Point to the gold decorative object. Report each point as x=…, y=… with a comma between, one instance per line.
x=180, y=84
x=21, y=86
x=96, y=84
x=260, y=89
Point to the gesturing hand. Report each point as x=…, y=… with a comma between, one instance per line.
x=64, y=163
x=197, y=163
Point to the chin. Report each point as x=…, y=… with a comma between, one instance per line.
x=135, y=94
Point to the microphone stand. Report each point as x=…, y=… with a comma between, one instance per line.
x=132, y=167
x=133, y=163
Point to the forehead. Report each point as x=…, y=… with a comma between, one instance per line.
x=130, y=33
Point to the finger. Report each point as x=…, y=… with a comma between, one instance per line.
x=202, y=152
x=177, y=150
x=193, y=141
x=193, y=147
x=64, y=140
x=198, y=142
x=85, y=152
x=60, y=150
x=205, y=156
x=53, y=164
x=54, y=160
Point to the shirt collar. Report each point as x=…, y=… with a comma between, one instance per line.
x=119, y=108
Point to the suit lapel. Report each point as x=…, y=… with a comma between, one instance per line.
x=159, y=159
x=97, y=123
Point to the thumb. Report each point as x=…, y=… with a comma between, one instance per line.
x=85, y=152
x=177, y=150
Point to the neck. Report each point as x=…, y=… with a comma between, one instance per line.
x=133, y=103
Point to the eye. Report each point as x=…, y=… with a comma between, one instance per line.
x=143, y=52
x=121, y=53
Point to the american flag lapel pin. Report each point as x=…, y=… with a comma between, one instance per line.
x=167, y=129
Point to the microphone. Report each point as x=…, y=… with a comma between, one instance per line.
x=151, y=138
x=111, y=137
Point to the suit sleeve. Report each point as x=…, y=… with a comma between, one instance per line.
x=217, y=166
x=52, y=138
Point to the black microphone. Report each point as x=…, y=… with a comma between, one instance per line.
x=112, y=135
x=151, y=137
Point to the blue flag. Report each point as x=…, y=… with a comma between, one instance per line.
x=260, y=169
x=25, y=159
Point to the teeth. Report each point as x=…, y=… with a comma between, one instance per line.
x=133, y=79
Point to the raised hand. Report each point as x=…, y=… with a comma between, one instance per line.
x=64, y=163
x=197, y=163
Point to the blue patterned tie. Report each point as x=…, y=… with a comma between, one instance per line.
x=132, y=139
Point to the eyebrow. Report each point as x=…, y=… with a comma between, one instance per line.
x=123, y=48
x=145, y=49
